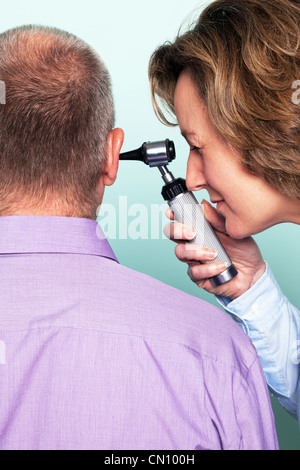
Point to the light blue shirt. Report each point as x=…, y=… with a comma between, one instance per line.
x=273, y=324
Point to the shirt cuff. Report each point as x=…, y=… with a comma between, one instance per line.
x=254, y=305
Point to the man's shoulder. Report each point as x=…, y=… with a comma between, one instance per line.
x=169, y=314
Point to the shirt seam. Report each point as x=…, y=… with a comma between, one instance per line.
x=186, y=346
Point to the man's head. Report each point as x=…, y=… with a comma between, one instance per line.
x=57, y=146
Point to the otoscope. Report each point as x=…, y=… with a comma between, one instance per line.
x=182, y=202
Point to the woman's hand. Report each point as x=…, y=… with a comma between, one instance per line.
x=244, y=254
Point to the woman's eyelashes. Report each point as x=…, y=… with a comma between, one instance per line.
x=197, y=149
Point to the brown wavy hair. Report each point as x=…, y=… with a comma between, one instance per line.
x=244, y=57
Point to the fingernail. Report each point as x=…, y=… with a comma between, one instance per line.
x=203, y=205
x=189, y=233
x=211, y=254
x=221, y=266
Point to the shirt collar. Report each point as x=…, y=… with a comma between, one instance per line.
x=49, y=234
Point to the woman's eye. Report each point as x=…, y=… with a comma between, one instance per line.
x=197, y=149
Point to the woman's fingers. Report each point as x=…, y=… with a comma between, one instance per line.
x=176, y=232
x=188, y=252
x=202, y=266
x=199, y=273
x=199, y=258
x=211, y=215
x=170, y=214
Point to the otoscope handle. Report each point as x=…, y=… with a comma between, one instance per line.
x=189, y=212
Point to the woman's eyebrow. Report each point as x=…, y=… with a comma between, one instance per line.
x=186, y=133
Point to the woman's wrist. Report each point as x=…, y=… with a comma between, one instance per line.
x=258, y=273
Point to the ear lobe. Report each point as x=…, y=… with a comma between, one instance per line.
x=114, y=144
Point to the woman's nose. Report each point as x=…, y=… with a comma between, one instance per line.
x=195, y=179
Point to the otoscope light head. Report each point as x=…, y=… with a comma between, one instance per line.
x=159, y=153
x=154, y=154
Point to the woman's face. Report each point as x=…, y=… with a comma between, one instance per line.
x=248, y=203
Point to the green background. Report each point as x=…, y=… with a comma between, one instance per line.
x=125, y=34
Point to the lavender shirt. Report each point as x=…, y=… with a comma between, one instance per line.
x=94, y=355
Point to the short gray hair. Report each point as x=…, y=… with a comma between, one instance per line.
x=59, y=110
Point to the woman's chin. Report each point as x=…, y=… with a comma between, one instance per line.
x=237, y=230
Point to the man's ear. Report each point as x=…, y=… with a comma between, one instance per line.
x=114, y=144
